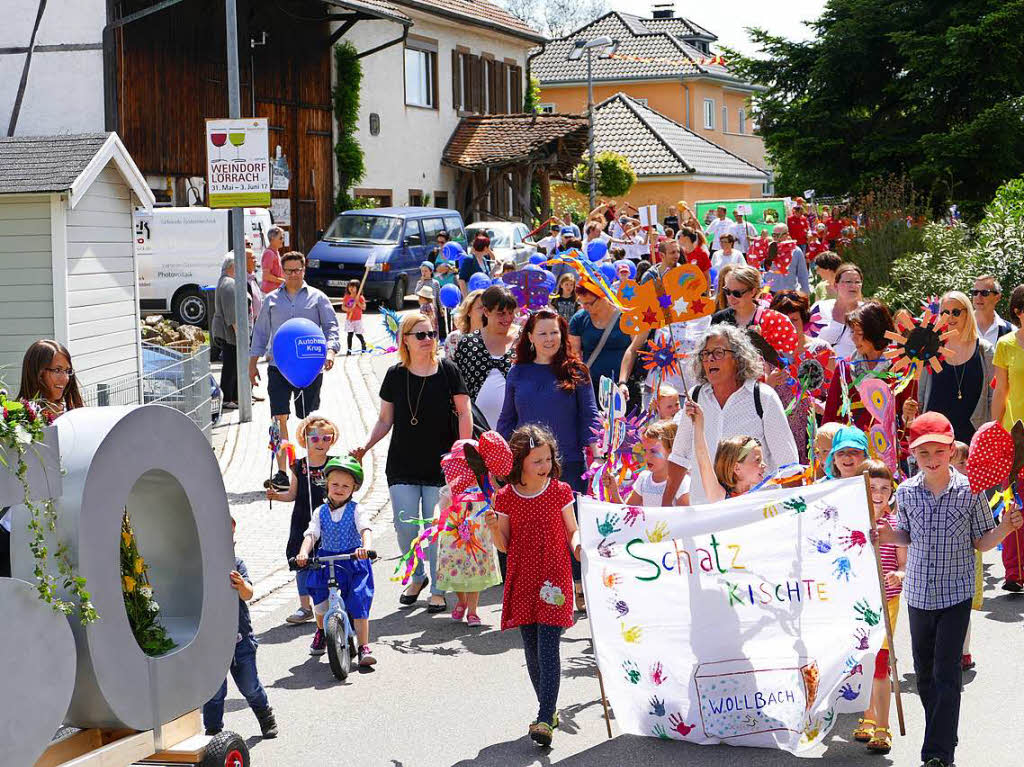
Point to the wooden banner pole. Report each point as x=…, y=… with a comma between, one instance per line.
x=593, y=644
x=893, y=673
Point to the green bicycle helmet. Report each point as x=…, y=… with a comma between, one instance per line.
x=347, y=464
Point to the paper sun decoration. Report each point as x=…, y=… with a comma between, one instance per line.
x=531, y=287
x=677, y=296
x=391, y=322
x=663, y=356
x=918, y=343
x=811, y=372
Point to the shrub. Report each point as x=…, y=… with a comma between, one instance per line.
x=615, y=175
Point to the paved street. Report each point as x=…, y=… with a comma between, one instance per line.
x=445, y=694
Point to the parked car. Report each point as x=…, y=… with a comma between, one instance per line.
x=163, y=381
x=392, y=241
x=507, y=239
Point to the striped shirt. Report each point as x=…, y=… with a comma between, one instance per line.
x=942, y=528
x=887, y=554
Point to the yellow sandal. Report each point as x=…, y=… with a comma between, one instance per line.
x=865, y=730
x=881, y=741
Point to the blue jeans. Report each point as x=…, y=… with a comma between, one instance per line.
x=409, y=503
x=300, y=582
x=243, y=671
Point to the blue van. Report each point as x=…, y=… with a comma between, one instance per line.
x=394, y=240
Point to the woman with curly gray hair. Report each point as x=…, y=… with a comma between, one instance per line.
x=727, y=368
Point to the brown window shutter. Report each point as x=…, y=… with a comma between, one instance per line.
x=456, y=85
x=517, y=86
x=502, y=77
x=478, y=84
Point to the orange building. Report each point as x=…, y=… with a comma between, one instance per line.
x=679, y=80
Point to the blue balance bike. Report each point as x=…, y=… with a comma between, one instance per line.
x=341, y=637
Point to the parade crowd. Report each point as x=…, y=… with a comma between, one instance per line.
x=502, y=394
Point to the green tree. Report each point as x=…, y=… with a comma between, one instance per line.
x=531, y=101
x=929, y=88
x=615, y=175
x=347, y=152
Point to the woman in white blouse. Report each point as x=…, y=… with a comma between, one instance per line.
x=850, y=295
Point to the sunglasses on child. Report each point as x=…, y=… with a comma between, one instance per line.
x=422, y=335
x=316, y=439
x=954, y=312
x=985, y=293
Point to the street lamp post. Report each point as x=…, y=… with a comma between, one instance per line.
x=605, y=45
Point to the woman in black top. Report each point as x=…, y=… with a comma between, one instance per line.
x=425, y=406
x=485, y=356
x=742, y=288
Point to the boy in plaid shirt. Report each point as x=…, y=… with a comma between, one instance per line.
x=941, y=522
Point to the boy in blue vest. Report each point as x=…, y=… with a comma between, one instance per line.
x=342, y=527
x=941, y=522
x=243, y=665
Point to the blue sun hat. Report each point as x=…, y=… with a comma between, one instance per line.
x=848, y=437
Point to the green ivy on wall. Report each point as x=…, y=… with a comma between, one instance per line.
x=347, y=152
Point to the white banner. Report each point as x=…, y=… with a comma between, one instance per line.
x=750, y=622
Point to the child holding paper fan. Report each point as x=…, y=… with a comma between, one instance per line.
x=649, y=486
x=873, y=728
x=532, y=520
x=739, y=464
x=316, y=434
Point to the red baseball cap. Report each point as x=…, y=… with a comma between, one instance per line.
x=931, y=427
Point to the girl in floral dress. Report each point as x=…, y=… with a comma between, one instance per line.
x=532, y=520
x=466, y=561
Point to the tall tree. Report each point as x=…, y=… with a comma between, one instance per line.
x=557, y=18
x=931, y=88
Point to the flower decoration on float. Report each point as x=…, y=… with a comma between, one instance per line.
x=391, y=322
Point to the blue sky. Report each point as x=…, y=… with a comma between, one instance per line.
x=727, y=18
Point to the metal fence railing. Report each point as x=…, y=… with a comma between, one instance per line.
x=173, y=375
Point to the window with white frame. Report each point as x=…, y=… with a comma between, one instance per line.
x=508, y=91
x=462, y=82
x=709, y=114
x=546, y=109
x=741, y=115
x=420, y=77
x=487, y=86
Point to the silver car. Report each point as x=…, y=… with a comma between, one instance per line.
x=507, y=238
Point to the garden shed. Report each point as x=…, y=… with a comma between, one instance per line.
x=67, y=264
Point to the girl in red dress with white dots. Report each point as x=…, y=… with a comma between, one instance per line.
x=532, y=519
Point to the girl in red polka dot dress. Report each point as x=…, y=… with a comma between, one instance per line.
x=532, y=520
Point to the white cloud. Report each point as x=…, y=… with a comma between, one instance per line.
x=730, y=18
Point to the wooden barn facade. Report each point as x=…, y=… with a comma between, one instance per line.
x=165, y=73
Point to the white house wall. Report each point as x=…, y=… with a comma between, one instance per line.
x=407, y=152
x=64, y=91
x=103, y=306
x=26, y=289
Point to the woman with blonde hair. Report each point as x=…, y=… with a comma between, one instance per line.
x=741, y=291
x=467, y=318
x=960, y=390
x=424, y=403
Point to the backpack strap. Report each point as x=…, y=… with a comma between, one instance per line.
x=757, y=400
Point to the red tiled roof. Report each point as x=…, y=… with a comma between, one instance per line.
x=478, y=12
x=481, y=141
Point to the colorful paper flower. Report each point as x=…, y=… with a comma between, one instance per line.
x=811, y=372
x=918, y=341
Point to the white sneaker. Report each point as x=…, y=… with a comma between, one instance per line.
x=302, y=615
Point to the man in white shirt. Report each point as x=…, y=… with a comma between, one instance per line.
x=985, y=295
x=743, y=232
x=719, y=226
x=549, y=244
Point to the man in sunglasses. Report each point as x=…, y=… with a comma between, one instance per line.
x=984, y=296
x=293, y=299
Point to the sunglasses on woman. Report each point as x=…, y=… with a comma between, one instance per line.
x=422, y=335
x=736, y=293
x=954, y=312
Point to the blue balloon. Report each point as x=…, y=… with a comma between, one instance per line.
x=609, y=272
x=450, y=296
x=535, y=267
x=300, y=351
x=479, y=281
x=537, y=258
x=550, y=276
x=453, y=251
x=597, y=250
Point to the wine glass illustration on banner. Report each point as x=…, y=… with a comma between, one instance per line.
x=237, y=138
x=218, y=139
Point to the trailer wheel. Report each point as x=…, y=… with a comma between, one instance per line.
x=227, y=749
x=189, y=307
